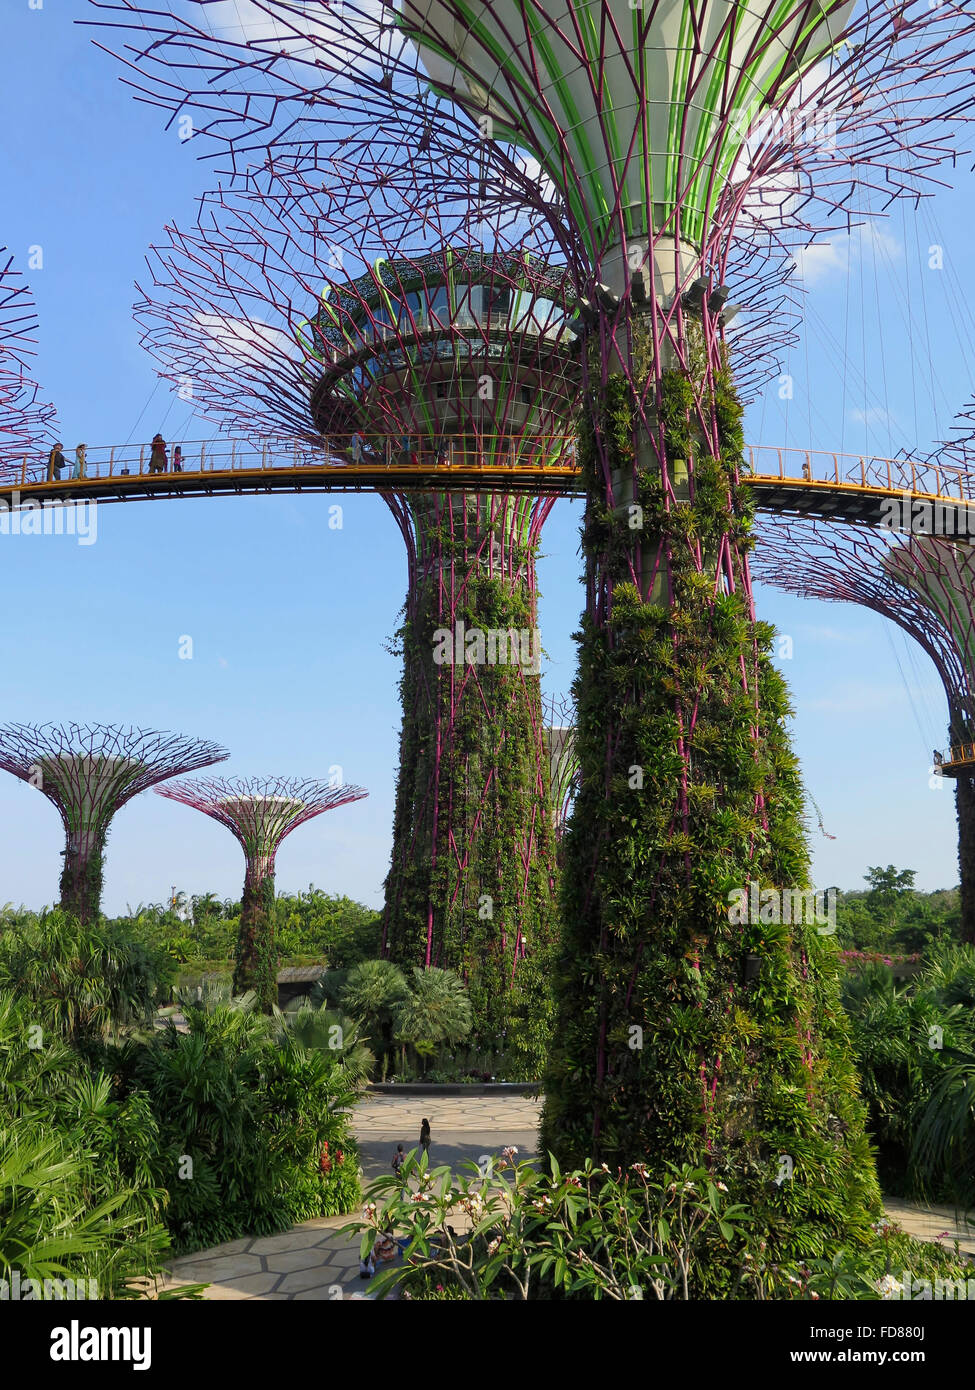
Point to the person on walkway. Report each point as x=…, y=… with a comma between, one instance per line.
x=80, y=461
x=158, y=458
x=357, y=442
x=55, y=463
x=425, y=1136
x=178, y=459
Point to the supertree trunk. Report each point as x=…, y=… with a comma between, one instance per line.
x=471, y=884
x=256, y=956
x=689, y=791
x=81, y=876
x=965, y=807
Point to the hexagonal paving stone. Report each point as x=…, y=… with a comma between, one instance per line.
x=252, y=1284
x=223, y=1268
x=297, y=1259
x=296, y=1239
x=307, y=1279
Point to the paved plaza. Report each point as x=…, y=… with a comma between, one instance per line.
x=313, y=1261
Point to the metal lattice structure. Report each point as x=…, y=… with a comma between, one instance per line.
x=925, y=583
x=25, y=419
x=260, y=813
x=89, y=771
x=653, y=144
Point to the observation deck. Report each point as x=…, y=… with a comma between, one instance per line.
x=829, y=486
x=958, y=762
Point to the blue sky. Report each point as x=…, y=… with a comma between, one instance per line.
x=288, y=617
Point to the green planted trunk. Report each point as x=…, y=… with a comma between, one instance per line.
x=681, y=1033
x=81, y=877
x=256, y=958
x=471, y=886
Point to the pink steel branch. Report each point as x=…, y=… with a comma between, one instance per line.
x=261, y=811
x=25, y=419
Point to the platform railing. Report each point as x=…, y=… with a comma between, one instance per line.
x=393, y=454
x=860, y=470
x=958, y=753
x=400, y=455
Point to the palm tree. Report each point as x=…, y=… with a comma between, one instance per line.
x=373, y=993
x=331, y=1032
x=436, y=1011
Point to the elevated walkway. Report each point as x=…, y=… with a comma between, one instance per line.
x=805, y=483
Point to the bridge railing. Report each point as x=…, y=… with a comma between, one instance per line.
x=398, y=454
x=862, y=470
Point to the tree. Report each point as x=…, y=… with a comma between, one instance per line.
x=436, y=1010
x=373, y=993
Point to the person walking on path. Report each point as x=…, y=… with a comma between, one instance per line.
x=80, y=461
x=158, y=460
x=425, y=1136
x=55, y=463
x=178, y=459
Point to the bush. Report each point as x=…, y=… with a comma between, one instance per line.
x=592, y=1234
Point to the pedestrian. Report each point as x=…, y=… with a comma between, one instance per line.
x=399, y=1158
x=158, y=459
x=80, y=461
x=425, y=1136
x=178, y=459
x=55, y=463
x=357, y=447
x=404, y=450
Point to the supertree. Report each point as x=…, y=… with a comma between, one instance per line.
x=25, y=420
x=653, y=140
x=260, y=812
x=925, y=583
x=89, y=772
x=454, y=355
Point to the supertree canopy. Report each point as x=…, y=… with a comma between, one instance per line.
x=450, y=356
x=260, y=812
x=90, y=771
x=653, y=141
x=926, y=584
x=25, y=420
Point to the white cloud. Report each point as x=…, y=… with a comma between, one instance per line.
x=817, y=262
x=823, y=259
x=247, y=341
x=873, y=415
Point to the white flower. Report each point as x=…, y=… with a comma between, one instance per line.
x=721, y=1187
x=889, y=1287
